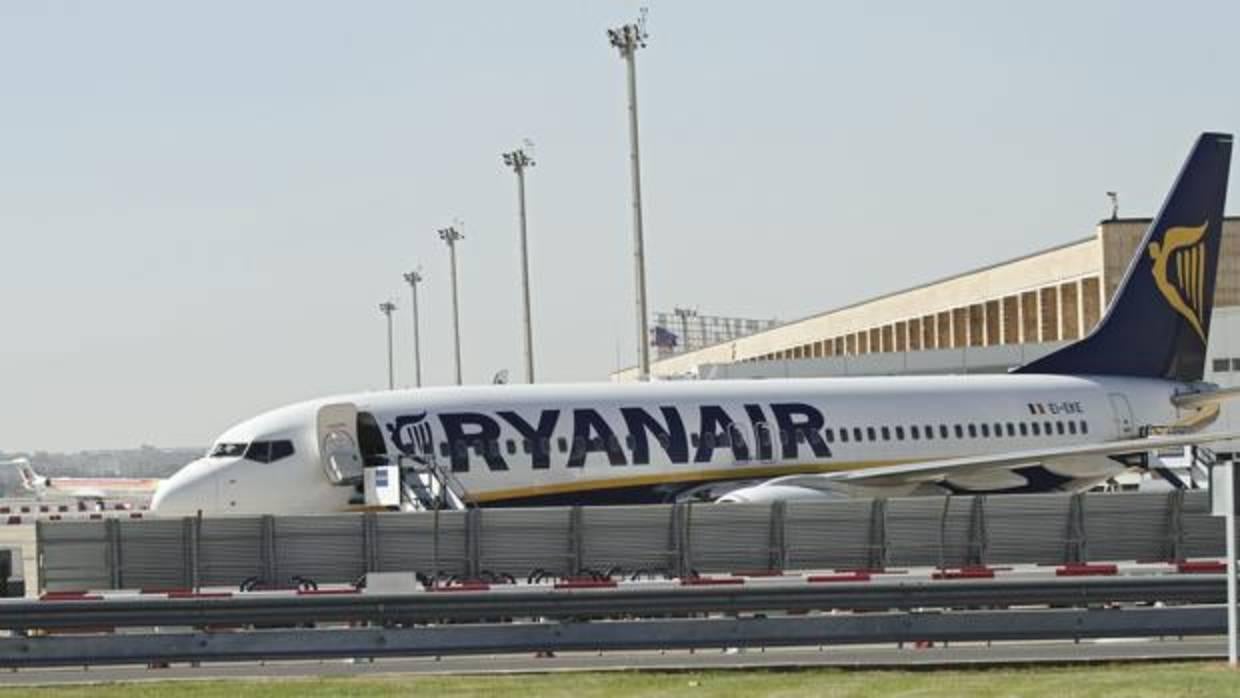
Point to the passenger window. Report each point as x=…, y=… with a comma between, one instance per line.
x=959, y=432
x=972, y=431
x=628, y=442
x=1011, y=429
x=943, y=434
x=1047, y=429
x=899, y=433
x=985, y=430
x=281, y=449
x=512, y=446
x=443, y=449
x=871, y=434
x=1024, y=429
x=527, y=446
x=886, y=434
x=844, y=435
x=857, y=434
x=1035, y=428
x=914, y=432
x=1071, y=427
x=1084, y=427
x=998, y=430
x=562, y=443
x=830, y=435
x=1059, y=428
x=694, y=439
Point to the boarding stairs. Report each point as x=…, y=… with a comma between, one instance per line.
x=427, y=486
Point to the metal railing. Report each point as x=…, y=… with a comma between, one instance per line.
x=490, y=639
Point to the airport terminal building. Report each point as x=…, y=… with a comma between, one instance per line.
x=981, y=321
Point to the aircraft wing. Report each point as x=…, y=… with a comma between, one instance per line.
x=997, y=466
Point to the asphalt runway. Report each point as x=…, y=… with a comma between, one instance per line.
x=861, y=657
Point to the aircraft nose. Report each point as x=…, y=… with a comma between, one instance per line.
x=189, y=490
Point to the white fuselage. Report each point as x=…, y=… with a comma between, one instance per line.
x=649, y=442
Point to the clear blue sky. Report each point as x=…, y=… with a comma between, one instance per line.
x=201, y=205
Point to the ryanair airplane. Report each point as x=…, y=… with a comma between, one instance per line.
x=1064, y=422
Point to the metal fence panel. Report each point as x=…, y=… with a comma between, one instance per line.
x=323, y=549
x=73, y=555
x=1031, y=528
x=1204, y=535
x=829, y=534
x=915, y=531
x=729, y=537
x=154, y=554
x=1132, y=526
x=631, y=539
x=406, y=543
x=520, y=541
x=231, y=551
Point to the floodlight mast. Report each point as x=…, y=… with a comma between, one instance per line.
x=627, y=39
x=684, y=314
x=414, y=278
x=518, y=160
x=386, y=308
x=450, y=235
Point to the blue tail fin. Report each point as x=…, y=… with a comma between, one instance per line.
x=1159, y=322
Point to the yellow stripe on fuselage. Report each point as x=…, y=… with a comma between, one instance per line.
x=666, y=478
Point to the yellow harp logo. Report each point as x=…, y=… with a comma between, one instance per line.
x=1182, y=255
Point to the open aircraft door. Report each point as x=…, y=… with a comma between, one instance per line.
x=337, y=438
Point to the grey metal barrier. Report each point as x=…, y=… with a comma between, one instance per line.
x=674, y=540
x=446, y=640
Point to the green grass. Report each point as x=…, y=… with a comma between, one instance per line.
x=1113, y=681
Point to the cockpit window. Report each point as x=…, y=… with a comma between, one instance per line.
x=269, y=451
x=281, y=449
x=223, y=450
x=259, y=451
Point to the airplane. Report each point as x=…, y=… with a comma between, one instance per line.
x=87, y=488
x=1064, y=422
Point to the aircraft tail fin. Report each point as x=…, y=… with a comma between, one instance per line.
x=30, y=479
x=1158, y=324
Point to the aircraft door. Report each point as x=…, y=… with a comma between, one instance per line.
x=338, y=443
x=1124, y=422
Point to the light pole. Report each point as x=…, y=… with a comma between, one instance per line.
x=413, y=278
x=386, y=308
x=627, y=39
x=450, y=235
x=518, y=161
x=684, y=314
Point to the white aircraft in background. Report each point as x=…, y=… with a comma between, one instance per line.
x=1064, y=422
x=91, y=488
